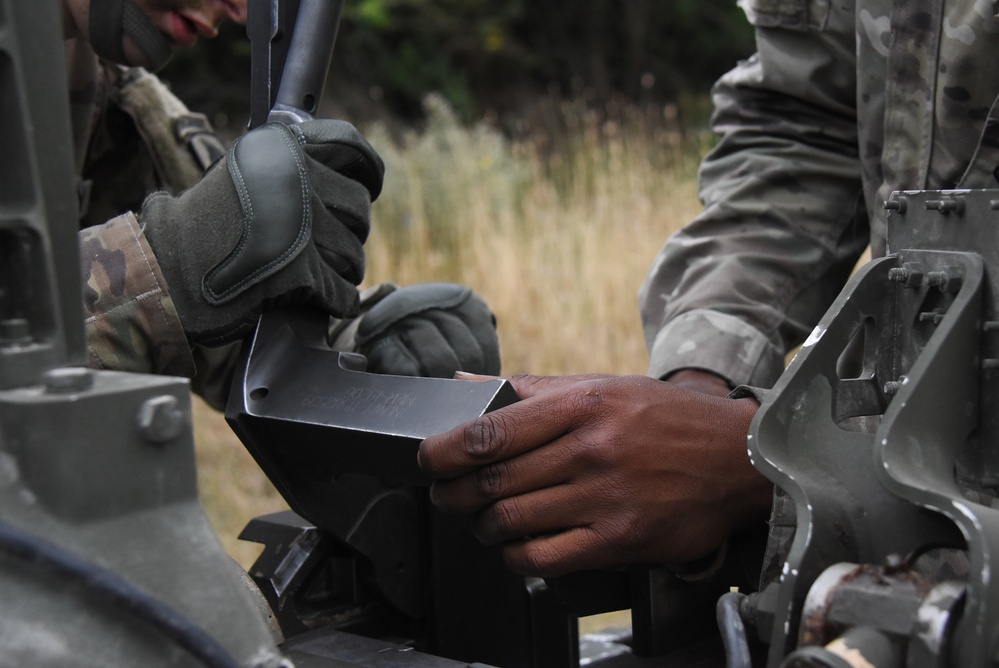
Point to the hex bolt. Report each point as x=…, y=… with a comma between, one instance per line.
x=990, y=325
x=946, y=205
x=990, y=364
x=67, y=380
x=899, y=274
x=910, y=274
x=15, y=332
x=994, y=204
x=989, y=481
x=899, y=205
x=931, y=316
x=159, y=419
x=892, y=387
x=946, y=281
x=935, y=278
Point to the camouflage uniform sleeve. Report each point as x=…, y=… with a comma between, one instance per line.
x=131, y=322
x=784, y=220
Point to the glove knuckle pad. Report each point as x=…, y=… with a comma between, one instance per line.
x=408, y=302
x=444, y=327
x=391, y=356
x=346, y=201
x=340, y=147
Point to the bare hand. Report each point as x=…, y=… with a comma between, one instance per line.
x=598, y=471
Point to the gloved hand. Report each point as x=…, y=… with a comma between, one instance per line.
x=280, y=220
x=429, y=329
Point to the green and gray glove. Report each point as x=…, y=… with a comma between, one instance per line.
x=281, y=220
x=427, y=329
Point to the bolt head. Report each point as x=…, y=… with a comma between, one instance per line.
x=160, y=419
x=899, y=204
x=15, y=332
x=67, y=380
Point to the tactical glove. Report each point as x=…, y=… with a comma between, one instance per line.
x=280, y=220
x=429, y=329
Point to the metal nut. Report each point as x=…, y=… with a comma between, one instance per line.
x=69, y=379
x=160, y=420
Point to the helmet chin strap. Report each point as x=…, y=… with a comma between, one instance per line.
x=112, y=20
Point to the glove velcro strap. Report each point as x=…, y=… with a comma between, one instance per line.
x=268, y=171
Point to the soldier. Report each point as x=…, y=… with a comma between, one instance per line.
x=842, y=104
x=172, y=281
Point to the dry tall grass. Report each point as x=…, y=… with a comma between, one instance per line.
x=555, y=231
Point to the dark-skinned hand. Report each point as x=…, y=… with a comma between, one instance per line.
x=600, y=471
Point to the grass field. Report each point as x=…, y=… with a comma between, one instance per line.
x=555, y=230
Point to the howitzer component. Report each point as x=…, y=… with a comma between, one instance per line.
x=39, y=268
x=366, y=575
x=340, y=445
x=889, y=454
x=429, y=583
x=858, y=648
x=330, y=648
x=291, y=45
x=308, y=413
x=106, y=558
x=82, y=479
x=890, y=616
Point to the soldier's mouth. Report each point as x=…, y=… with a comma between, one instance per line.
x=185, y=28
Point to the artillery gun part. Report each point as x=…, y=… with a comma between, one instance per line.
x=888, y=457
x=106, y=557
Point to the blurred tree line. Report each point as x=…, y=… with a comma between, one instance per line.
x=491, y=57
